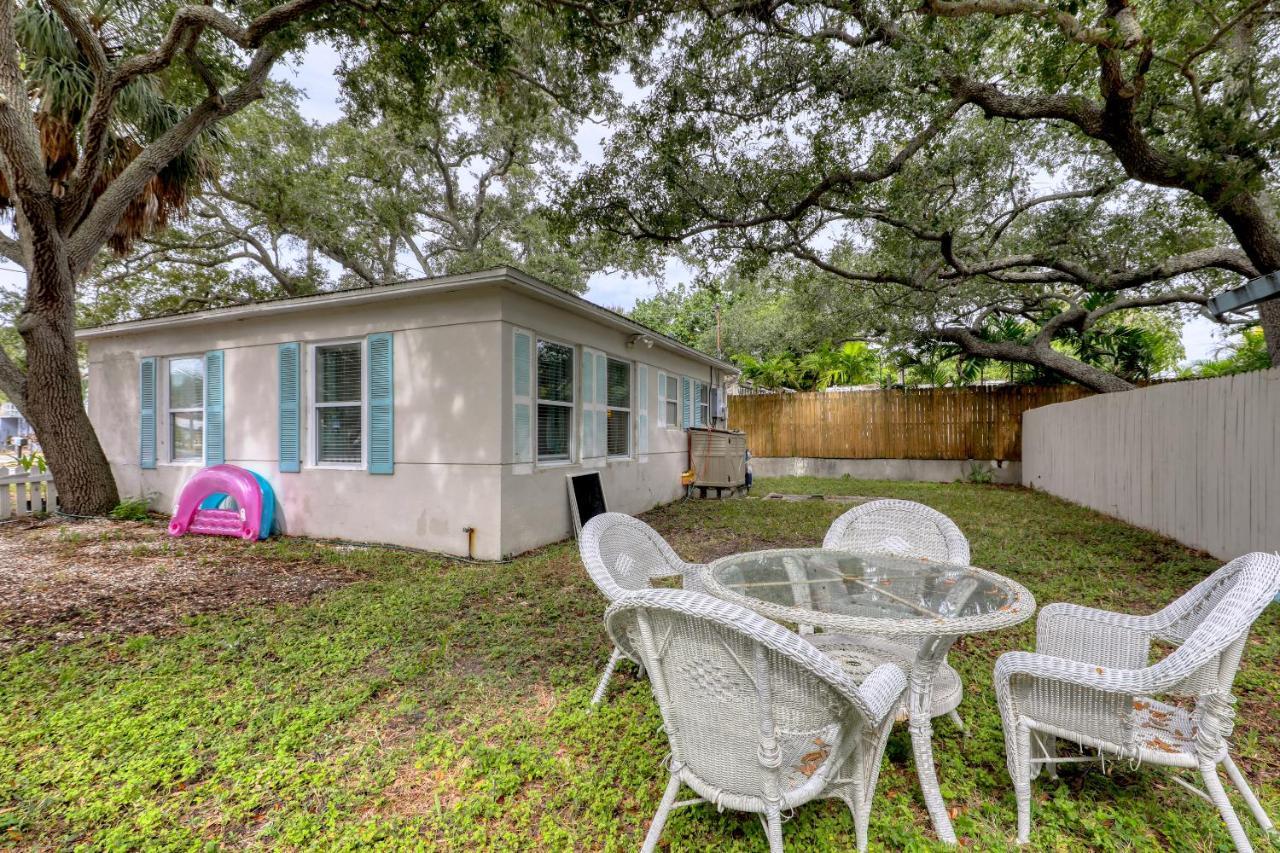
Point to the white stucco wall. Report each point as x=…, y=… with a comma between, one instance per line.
x=447, y=423
x=535, y=506
x=453, y=427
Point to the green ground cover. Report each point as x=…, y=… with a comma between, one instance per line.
x=436, y=704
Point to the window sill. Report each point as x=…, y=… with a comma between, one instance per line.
x=336, y=466
x=182, y=463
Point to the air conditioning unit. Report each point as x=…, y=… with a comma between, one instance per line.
x=718, y=458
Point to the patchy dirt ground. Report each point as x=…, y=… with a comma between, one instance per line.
x=62, y=581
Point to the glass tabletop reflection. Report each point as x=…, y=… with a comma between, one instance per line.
x=857, y=586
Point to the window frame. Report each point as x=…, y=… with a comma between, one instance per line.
x=703, y=403
x=629, y=409
x=663, y=400
x=312, y=374
x=169, y=457
x=575, y=356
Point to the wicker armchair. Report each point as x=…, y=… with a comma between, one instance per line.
x=758, y=720
x=1091, y=682
x=623, y=554
x=905, y=528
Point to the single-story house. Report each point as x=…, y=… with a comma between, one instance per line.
x=440, y=413
x=12, y=426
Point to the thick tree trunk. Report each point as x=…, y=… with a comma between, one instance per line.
x=1254, y=224
x=54, y=400
x=1269, y=311
x=1039, y=355
x=1093, y=378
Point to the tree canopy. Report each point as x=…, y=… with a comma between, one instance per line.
x=106, y=112
x=293, y=207
x=954, y=164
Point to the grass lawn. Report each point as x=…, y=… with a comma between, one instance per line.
x=425, y=703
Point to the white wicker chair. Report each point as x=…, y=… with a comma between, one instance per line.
x=1091, y=682
x=906, y=529
x=758, y=720
x=623, y=554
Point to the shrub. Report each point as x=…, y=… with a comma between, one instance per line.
x=132, y=509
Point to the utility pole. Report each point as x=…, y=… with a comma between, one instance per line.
x=719, y=349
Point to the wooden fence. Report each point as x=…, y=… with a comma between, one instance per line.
x=1198, y=461
x=929, y=423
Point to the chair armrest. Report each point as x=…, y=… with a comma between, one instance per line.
x=881, y=691
x=692, y=577
x=1146, y=680
x=1098, y=637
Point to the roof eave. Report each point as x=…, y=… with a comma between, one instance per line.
x=499, y=276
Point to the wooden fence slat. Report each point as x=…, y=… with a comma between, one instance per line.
x=927, y=423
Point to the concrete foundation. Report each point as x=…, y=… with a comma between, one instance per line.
x=920, y=470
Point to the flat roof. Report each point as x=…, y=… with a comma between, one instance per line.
x=499, y=276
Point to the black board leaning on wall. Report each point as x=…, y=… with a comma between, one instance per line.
x=586, y=498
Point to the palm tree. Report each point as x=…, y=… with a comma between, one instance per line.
x=855, y=364
x=817, y=369
x=1248, y=353
x=60, y=81
x=1134, y=353
x=775, y=372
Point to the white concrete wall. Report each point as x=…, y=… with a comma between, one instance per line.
x=453, y=426
x=1197, y=461
x=447, y=420
x=911, y=470
x=535, y=504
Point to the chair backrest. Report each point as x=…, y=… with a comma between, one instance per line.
x=903, y=528
x=610, y=537
x=1212, y=622
x=752, y=711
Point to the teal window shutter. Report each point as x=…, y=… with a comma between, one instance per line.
x=382, y=444
x=588, y=448
x=685, y=419
x=642, y=409
x=288, y=357
x=602, y=405
x=521, y=396
x=147, y=413
x=215, y=437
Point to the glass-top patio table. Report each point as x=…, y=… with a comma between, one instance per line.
x=875, y=608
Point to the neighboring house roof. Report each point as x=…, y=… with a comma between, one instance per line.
x=502, y=276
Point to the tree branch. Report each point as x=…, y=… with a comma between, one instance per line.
x=812, y=199
x=184, y=29
x=1127, y=27
x=97, y=226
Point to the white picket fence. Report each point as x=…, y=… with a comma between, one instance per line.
x=26, y=494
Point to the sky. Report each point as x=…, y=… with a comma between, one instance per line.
x=314, y=75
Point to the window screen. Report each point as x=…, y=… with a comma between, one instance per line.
x=555, y=400
x=618, y=397
x=671, y=401
x=339, y=409
x=186, y=409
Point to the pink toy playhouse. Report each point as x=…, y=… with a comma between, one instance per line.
x=200, y=507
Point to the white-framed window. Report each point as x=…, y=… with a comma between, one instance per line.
x=703, y=402
x=555, y=401
x=184, y=395
x=338, y=396
x=618, y=402
x=669, y=400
